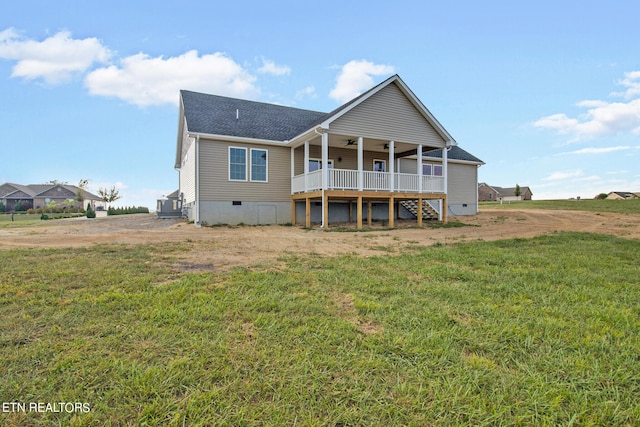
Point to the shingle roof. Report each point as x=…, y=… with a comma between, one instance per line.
x=455, y=153
x=509, y=191
x=38, y=190
x=219, y=115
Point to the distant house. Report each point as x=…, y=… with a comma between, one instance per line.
x=622, y=195
x=489, y=193
x=380, y=156
x=22, y=197
x=170, y=206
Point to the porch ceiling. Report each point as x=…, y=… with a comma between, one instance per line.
x=370, y=144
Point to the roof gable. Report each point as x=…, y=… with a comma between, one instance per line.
x=18, y=194
x=396, y=84
x=57, y=192
x=6, y=189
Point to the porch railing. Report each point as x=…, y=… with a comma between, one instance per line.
x=347, y=179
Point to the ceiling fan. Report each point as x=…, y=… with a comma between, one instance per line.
x=351, y=142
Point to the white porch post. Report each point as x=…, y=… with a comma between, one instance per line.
x=306, y=166
x=445, y=168
x=419, y=162
x=325, y=160
x=325, y=176
x=293, y=161
x=360, y=163
x=392, y=166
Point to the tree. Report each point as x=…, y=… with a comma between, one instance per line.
x=90, y=213
x=57, y=182
x=82, y=186
x=517, y=192
x=109, y=196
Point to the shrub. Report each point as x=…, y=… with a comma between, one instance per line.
x=90, y=213
x=127, y=210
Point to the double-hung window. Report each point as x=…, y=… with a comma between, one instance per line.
x=237, y=164
x=248, y=164
x=259, y=165
x=431, y=169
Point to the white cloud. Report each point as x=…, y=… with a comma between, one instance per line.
x=54, y=59
x=602, y=118
x=556, y=176
x=602, y=150
x=632, y=82
x=270, y=67
x=356, y=76
x=307, y=92
x=143, y=80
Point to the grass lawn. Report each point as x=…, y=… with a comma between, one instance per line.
x=616, y=206
x=21, y=220
x=541, y=331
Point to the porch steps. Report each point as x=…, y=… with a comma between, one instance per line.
x=427, y=211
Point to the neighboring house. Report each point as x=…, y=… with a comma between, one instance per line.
x=622, y=195
x=35, y=196
x=488, y=193
x=170, y=206
x=380, y=156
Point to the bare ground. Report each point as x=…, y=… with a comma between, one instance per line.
x=221, y=248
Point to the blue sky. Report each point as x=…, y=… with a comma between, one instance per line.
x=547, y=93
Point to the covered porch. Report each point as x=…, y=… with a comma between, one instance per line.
x=334, y=168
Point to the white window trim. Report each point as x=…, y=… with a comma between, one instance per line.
x=319, y=160
x=250, y=165
x=433, y=168
x=246, y=172
x=373, y=165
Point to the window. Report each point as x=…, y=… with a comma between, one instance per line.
x=258, y=165
x=379, y=165
x=255, y=168
x=316, y=164
x=431, y=170
x=237, y=164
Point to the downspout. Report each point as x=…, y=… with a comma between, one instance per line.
x=197, y=215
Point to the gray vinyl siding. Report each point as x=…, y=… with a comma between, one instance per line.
x=214, y=174
x=186, y=141
x=388, y=115
x=408, y=166
x=462, y=184
x=187, y=166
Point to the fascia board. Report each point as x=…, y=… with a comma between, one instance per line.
x=237, y=139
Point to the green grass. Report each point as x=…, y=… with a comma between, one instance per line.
x=541, y=331
x=29, y=220
x=615, y=206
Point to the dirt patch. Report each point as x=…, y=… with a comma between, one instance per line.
x=348, y=311
x=221, y=248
